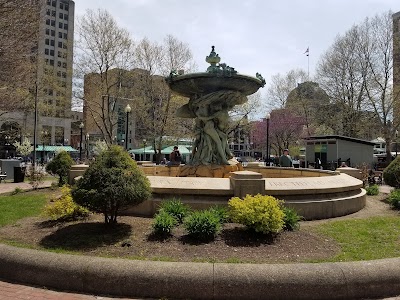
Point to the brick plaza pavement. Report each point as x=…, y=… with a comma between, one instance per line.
x=15, y=291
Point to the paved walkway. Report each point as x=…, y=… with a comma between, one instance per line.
x=11, y=291
x=8, y=187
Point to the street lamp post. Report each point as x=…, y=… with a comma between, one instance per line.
x=87, y=145
x=80, y=142
x=6, y=144
x=127, y=110
x=396, y=133
x=144, y=149
x=44, y=135
x=268, y=156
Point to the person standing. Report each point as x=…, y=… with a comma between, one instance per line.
x=285, y=160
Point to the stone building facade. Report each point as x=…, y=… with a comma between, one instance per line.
x=51, y=85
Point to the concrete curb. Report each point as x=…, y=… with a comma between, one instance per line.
x=119, y=277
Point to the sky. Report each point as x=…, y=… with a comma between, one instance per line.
x=265, y=36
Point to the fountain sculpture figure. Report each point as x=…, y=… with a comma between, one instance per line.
x=212, y=94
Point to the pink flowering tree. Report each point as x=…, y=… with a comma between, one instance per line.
x=285, y=128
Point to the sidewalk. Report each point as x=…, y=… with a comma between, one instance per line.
x=8, y=187
x=11, y=291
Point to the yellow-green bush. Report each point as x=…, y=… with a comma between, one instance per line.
x=64, y=208
x=260, y=213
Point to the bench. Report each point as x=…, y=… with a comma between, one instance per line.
x=2, y=177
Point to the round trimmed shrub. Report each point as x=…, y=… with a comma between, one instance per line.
x=260, y=213
x=394, y=199
x=175, y=208
x=202, y=225
x=372, y=190
x=111, y=183
x=60, y=165
x=391, y=174
x=163, y=223
x=291, y=219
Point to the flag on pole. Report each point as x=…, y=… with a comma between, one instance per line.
x=307, y=51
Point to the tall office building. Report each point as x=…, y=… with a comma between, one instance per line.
x=49, y=40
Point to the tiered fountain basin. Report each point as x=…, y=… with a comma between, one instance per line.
x=315, y=194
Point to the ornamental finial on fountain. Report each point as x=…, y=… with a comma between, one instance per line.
x=213, y=59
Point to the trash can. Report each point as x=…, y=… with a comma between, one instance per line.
x=19, y=174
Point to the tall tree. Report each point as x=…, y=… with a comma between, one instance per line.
x=101, y=46
x=357, y=72
x=285, y=129
x=282, y=85
x=158, y=106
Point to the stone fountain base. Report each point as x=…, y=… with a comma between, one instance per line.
x=213, y=171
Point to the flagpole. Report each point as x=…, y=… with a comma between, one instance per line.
x=308, y=62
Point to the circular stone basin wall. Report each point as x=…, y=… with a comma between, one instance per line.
x=315, y=194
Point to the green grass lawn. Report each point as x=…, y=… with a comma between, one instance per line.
x=365, y=239
x=20, y=206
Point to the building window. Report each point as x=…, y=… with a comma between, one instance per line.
x=51, y=62
x=60, y=44
x=52, y=43
x=59, y=74
x=66, y=26
x=66, y=7
x=59, y=54
x=47, y=21
x=53, y=13
x=59, y=63
x=64, y=65
x=64, y=45
x=47, y=41
x=60, y=35
x=60, y=25
x=64, y=75
x=53, y=23
x=53, y=33
x=46, y=51
x=65, y=17
x=65, y=35
x=51, y=52
x=53, y=3
x=48, y=12
x=48, y=2
x=47, y=31
x=47, y=61
x=61, y=5
x=60, y=15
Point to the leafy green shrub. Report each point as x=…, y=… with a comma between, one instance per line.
x=60, y=165
x=202, y=225
x=391, y=174
x=291, y=219
x=163, y=223
x=394, y=198
x=175, y=208
x=17, y=190
x=260, y=213
x=221, y=212
x=372, y=190
x=64, y=208
x=111, y=183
